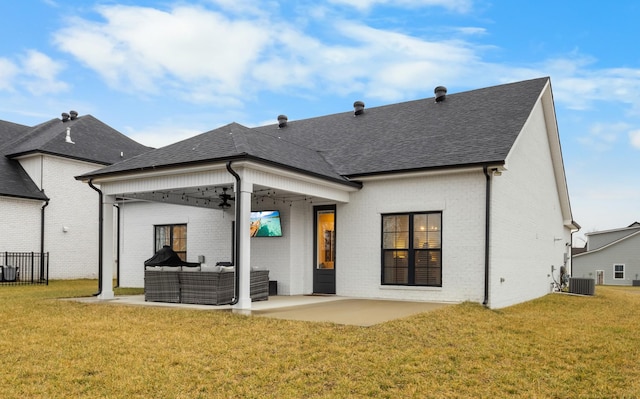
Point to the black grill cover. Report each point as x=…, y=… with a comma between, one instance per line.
x=167, y=257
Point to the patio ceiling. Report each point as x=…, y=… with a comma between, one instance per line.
x=212, y=196
x=204, y=185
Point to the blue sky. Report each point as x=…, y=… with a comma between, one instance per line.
x=162, y=71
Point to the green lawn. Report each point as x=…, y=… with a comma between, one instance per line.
x=559, y=346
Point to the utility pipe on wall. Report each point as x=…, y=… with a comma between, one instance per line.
x=42, y=239
x=236, y=254
x=100, y=238
x=487, y=231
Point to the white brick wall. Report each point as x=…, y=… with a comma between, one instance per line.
x=528, y=235
x=20, y=225
x=358, y=235
x=288, y=257
x=74, y=205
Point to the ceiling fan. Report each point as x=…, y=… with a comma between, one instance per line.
x=225, y=198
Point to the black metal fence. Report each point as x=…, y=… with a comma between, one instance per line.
x=21, y=268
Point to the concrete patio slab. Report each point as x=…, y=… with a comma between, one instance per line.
x=331, y=309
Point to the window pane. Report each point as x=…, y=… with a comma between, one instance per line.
x=395, y=231
x=395, y=268
x=162, y=237
x=427, y=268
x=179, y=238
x=396, y=224
x=396, y=240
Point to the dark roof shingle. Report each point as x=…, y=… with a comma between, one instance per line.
x=468, y=128
x=14, y=181
x=93, y=140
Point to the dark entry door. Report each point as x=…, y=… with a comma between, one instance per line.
x=324, y=250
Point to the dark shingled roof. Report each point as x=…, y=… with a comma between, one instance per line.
x=94, y=142
x=14, y=181
x=232, y=141
x=469, y=128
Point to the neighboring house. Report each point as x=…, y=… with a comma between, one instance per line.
x=43, y=207
x=612, y=257
x=460, y=197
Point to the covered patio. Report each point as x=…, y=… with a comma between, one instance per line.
x=234, y=187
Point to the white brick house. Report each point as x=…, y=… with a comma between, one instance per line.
x=43, y=207
x=456, y=198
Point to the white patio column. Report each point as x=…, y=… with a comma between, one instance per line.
x=244, y=224
x=107, y=247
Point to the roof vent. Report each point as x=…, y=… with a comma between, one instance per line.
x=68, y=138
x=441, y=93
x=65, y=117
x=73, y=114
x=282, y=121
x=358, y=108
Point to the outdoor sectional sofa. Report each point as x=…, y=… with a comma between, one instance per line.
x=206, y=285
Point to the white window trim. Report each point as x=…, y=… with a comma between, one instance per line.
x=614, y=271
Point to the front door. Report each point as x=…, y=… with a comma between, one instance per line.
x=324, y=250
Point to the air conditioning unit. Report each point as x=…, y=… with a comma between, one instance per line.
x=582, y=286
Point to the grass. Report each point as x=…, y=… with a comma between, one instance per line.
x=559, y=346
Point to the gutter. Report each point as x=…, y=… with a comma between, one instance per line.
x=236, y=250
x=42, y=240
x=100, y=225
x=487, y=230
x=117, y=246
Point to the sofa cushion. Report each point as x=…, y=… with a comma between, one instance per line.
x=208, y=268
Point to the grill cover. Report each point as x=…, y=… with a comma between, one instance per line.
x=167, y=257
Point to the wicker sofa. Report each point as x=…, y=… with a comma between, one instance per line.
x=196, y=285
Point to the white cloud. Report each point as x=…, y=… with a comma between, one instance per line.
x=602, y=137
x=471, y=31
x=40, y=74
x=579, y=86
x=160, y=135
x=206, y=56
x=8, y=71
x=141, y=47
x=453, y=5
x=634, y=137
x=33, y=71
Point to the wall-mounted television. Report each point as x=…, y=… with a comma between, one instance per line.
x=266, y=224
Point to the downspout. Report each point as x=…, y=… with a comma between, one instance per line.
x=487, y=230
x=100, y=222
x=236, y=253
x=42, y=239
x=117, y=245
